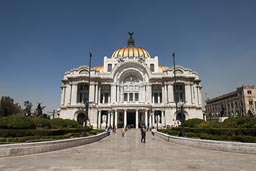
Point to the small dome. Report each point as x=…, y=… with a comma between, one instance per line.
x=131, y=51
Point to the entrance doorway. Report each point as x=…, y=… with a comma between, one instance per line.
x=131, y=121
x=81, y=118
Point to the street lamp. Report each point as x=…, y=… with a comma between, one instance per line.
x=181, y=105
x=86, y=108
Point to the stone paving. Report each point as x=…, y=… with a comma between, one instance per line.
x=115, y=153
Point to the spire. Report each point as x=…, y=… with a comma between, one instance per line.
x=131, y=41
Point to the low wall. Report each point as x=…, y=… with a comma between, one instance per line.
x=236, y=147
x=19, y=149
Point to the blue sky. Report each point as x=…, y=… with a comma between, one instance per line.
x=41, y=39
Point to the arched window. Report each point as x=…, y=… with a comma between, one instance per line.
x=152, y=67
x=178, y=71
x=83, y=72
x=131, y=78
x=109, y=67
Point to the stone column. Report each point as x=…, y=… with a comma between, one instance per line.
x=108, y=123
x=148, y=94
x=146, y=118
x=91, y=98
x=113, y=93
x=153, y=119
x=170, y=93
x=199, y=95
x=109, y=98
x=187, y=94
x=142, y=94
x=191, y=92
x=99, y=119
x=96, y=93
x=67, y=95
x=112, y=118
x=70, y=94
x=63, y=94
x=116, y=118
x=162, y=118
x=118, y=93
x=99, y=94
x=137, y=119
x=194, y=94
x=150, y=117
x=163, y=94
x=74, y=94
x=166, y=94
x=125, y=118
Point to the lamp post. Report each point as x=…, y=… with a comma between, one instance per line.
x=175, y=95
x=181, y=105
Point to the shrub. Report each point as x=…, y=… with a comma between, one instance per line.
x=42, y=123
x=193, y=122
x=241, y=122
x=58, y=123
x=38, y=132
x=14, y=122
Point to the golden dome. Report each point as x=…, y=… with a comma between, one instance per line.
x=130, y=51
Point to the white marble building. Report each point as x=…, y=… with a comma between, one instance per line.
x=131, y=88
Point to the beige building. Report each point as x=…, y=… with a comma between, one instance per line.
x=241, y=102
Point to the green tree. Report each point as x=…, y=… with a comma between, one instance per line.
x=28, y=106
x=7, y=106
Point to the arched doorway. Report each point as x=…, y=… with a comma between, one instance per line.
x=181, y=117
x=81, y=118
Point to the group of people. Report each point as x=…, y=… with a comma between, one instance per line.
x=143, y=132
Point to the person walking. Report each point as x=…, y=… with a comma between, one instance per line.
x=153, y=130
x=143, y=134
x=123, y=131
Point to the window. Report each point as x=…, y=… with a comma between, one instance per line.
x=106, y=97
x=130, y=97
x=179, y=92
x=131, y=78
x=177, y=71
x=83, y=72
x=82, y=93
x=250, y=102
x=155, y=97
x=152, y=68
x=249, y=92
x=125, y=97
x=109, y=67
x=136, y=97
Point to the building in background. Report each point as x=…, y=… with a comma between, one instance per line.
x=130, y=89
x=241, y=102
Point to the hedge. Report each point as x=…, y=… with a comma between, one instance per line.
x=45, y=132
x=43, y=135
x=193, y=122
x=12, y=122
x=223, y=134
x=15, y=122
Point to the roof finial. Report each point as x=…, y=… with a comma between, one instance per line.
x=131, y=41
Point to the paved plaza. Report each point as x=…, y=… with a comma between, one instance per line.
x=115, y=153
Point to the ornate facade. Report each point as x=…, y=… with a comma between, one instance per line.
x=241, y=102
x=131, y=88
